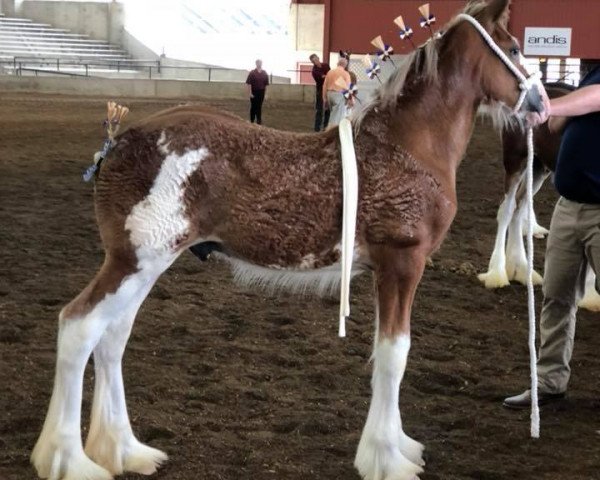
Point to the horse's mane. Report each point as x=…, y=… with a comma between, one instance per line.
x=422, y=64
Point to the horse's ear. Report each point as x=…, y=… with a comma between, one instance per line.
x=498, y=10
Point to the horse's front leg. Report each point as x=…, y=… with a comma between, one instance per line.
x=385, y=452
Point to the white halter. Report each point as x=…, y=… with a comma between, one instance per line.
x=525, y=83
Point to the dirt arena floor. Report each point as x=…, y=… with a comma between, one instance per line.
x=236, y=384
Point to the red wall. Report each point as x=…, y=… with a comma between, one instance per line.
x=583, y=16
x=351, y=24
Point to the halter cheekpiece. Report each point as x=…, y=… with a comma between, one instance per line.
x=525, y=83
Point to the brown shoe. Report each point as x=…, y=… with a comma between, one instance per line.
x=519, y=402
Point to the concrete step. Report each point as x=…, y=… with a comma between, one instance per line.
x=59, y=49
x=34, y=55
x=61, y=46
x=41, y=28
x=52, y=39
x=5, y=19
x=49, y=34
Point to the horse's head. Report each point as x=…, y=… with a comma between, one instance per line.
x=505, y=82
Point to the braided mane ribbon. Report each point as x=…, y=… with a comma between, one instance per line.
x=525, y=84
x=349, y=212
x=115, y=113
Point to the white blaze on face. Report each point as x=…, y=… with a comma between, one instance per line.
x=158, y=221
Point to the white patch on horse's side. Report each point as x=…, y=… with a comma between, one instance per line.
x=159, y=221
x=322, y=281
x=385, y=451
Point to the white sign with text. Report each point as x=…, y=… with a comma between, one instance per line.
x=547, y=42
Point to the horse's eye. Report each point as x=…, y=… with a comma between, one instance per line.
x=514, y=51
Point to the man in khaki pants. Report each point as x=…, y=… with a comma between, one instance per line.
x=574, y=239
x=332, y=92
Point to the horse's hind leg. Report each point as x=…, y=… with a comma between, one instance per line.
x=496, y=277
x=111, y=442
x=59, y=454
x=516, y=255
x=540, y=174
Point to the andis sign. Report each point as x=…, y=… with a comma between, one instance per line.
x=547, y=42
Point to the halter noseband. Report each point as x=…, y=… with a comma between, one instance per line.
x=525, y=83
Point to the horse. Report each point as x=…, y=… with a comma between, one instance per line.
x=508, y=261
x=272, y=203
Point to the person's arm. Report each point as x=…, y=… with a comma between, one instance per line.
x=325, y=89
x=557, y=124
x=249, y=86
x=580, y=102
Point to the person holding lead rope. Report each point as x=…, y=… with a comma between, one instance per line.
x=574, y=239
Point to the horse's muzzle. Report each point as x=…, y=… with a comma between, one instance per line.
x=533, y=100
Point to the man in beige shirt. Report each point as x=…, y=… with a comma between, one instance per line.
x=332, y=93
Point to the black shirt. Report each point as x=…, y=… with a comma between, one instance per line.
x=577, y=176
x=319, y=73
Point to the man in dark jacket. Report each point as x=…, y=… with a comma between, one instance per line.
x=574, y=239
x=319, y=71
x=257, y=83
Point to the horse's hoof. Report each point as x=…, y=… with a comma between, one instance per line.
x=590, y=301
x=494, y=279
x=519, y=275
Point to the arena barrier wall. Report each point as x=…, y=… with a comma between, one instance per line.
x=116, y=88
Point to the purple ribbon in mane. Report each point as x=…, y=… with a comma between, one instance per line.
x=427, y=22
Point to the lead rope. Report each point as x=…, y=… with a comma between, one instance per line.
x=525, y=85
x=535, y=409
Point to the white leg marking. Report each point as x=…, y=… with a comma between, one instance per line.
x=111, y=442
x=538, y=231
x=516, y=256
x=591, y=299
x=58, y=453
x=385, y=452
x=496, y=276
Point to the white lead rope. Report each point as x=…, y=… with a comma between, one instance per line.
x=525, y=84
x=349, y=212
x=535, y=409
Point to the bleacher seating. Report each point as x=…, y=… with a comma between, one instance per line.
x=40, y=47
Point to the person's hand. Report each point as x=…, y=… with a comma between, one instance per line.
x=533, y=118
x=251, y=96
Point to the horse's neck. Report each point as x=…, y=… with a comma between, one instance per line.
x=436, y=128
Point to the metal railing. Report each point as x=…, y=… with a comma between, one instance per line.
x=89, y=68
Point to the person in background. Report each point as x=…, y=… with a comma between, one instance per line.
x=332, y=93
x=256, y=85
x=574, y=238
x=319, y=71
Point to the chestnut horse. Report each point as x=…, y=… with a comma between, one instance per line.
x=508, y=261
x=272, y=203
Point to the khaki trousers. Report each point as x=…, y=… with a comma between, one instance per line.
x=573, y=243
x=337, y=106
